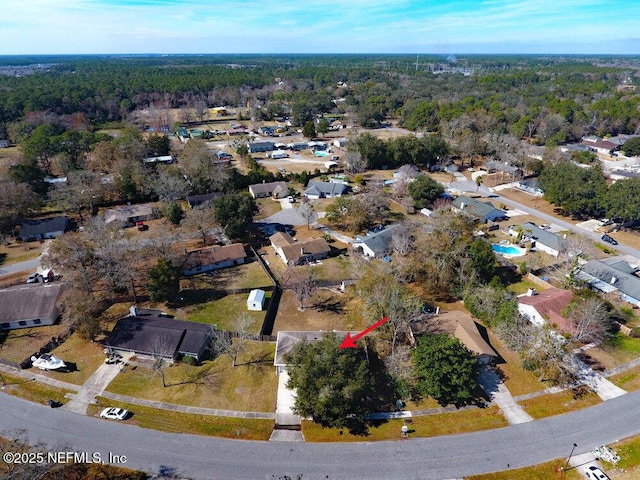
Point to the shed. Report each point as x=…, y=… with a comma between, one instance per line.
x=255, y=302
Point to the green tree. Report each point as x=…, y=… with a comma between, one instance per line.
x=348, y=213
x=333, y=386
x=483, y=259
x=164, y=281
x=424, y=190
x=309, y=130
x=631, y=147
x=445, y=369
x=623, y=199
x=173, y=212
x=323, y=126
x=158, y=145
x=234, y=212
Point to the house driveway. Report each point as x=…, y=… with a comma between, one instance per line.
x=500, y=395
x=93, y=387
x=605, y=389
x=285, y=415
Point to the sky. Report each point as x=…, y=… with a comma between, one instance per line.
x=319, y=26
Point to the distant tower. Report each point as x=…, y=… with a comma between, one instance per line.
x=417, y=62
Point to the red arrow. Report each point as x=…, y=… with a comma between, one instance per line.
x=350, y=342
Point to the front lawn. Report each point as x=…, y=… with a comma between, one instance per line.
x=558, y=403
x=250, y=386
x=426, y=426
x=628, y=380
x=82, y=356
x=224, y=311
x=543, y=471
x=178, y=422
x=32, y=390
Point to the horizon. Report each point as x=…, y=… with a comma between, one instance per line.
x=320, y=27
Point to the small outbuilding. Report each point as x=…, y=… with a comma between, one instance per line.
x=255, y=302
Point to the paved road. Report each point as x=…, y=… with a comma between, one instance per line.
x=471, y=187
x=20, y=266
x=429, y=458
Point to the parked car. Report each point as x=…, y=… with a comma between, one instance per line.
x=34, y=278
x=113, y=413
x=609, y=239
x=290, y=199
x=595, y=473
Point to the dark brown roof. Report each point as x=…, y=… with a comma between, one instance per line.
x=158, y=336
x=28, y=302
x=211, y=255
x=294, y=251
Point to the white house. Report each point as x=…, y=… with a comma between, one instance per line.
x=255, y=302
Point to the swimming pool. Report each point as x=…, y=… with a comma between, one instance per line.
x=508, y=250
x=320, y=153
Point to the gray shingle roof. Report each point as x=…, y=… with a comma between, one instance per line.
x=42, y=226
x=27, y=302
x=544, y=237
x=480, y=210
x=380, y=242
x=611, y=277
x=328, y=189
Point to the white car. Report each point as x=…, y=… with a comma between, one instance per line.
x=34, y=278
x=113, y=413
x=595, y=473
x=47, y=362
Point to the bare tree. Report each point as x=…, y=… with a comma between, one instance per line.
x=162, y=353
x=354, y=163
x=201, y=222
x=301, y=281
x=169, y=186
x=308, y=212
x=590, y=320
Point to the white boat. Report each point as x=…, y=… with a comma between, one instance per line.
x=47, y=362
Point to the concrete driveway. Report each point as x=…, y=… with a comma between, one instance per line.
x=498, y=392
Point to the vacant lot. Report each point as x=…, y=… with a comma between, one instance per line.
x=250, y=386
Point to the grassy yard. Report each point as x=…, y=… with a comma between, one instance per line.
x=19, y=252
x=85, y=355
x=267, y=207
x=518, y=380
x=250, y=386
x=621, y=350
x=31, y=390
x=629, y=380
x=325, y=311
x=224, y=312
x=628, y=468
x=20, y=344
x=427, y=426
x=543, y=471
x=558, y=403
x=177, y=422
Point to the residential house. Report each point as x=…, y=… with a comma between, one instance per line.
x=256, y=299
x=258, y=147
x=316, y=190
x=44, y=228
x=601, y=146
x=165, y=159
x=213, y=258
x=483, y=212
x=286, y=341
x=461, y=325
x=207, y=198
x=271, y=189
x=293, y=252
x=376, y=245
x=163, y=337
x=237, y=130
x=612, y=275
x=297, y=146
x=340, y=142
x=32, y=305
x=530, y=185
x=129, y=215
x=540, y=239
x=546, y=307
x=219, y=111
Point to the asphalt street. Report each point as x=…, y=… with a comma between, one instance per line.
x=443, y=457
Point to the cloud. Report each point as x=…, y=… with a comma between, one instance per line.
x=230, y=26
